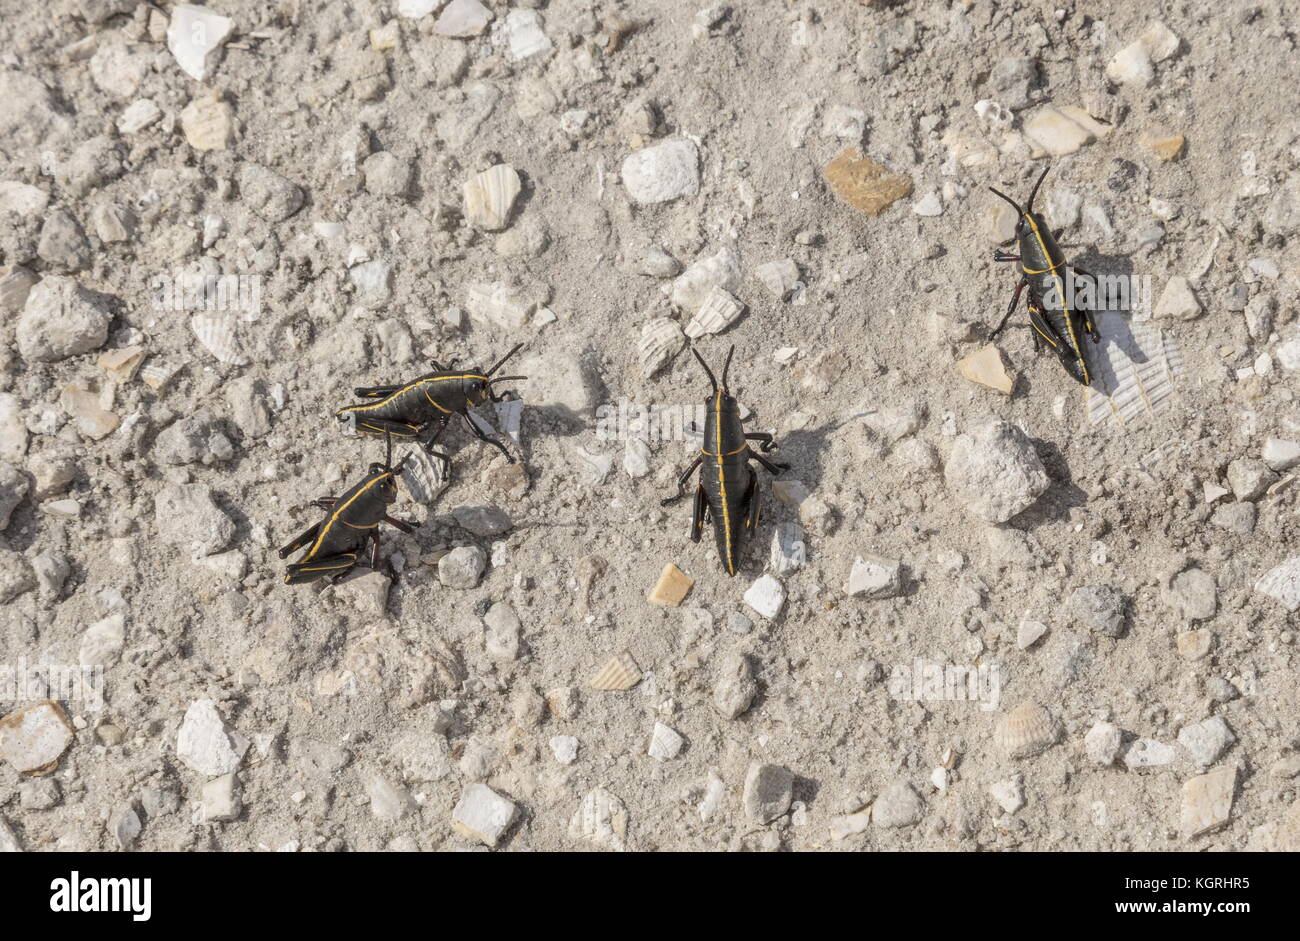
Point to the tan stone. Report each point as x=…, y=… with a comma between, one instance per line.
x=1207, y=801
x=1166, y=147
x=671, y=588
x=865, y=184
x=32, y=739
x=208, y=123
x=1193, y=645
x=122, y=364
x=985, y=367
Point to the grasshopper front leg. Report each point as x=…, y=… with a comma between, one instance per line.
x=478, y=432
x=681, y=483
x=765, y=440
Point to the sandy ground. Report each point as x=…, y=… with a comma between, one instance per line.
x=143, y=516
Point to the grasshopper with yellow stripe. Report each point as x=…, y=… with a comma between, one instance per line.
x=727, y=491
x=421, y=409
x=337, y=544
x=1044, y=270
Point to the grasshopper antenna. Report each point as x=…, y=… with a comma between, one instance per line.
x=1015, y=205
x=707, y=370
x=726, y=367
x=1029, y=206
x=503, y=359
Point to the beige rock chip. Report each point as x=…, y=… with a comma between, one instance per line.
x=671, y=588
x=1165, y=146
x=208, y=123
x=33, y=739
x=865, y=184
x=1207, y=801
x=985, y=366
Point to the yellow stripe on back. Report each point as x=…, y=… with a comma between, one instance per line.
x=414, y=385
x=315, y=546
x=1060, y=290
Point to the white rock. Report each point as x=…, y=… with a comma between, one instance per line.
x=928, y=205
x=1282, y=584
x=766, y=596
x=462, y=19
x=636, y=457
x=219, y=800
x=665, y=743
x=1131, y=66
x=525, y=36
x=1281, y=455
x=1009, y=794
x=1205, y=742
x=193, y=33
x=138, y=115
x=388, y=801
x=1207, y=801
x=721, y=270
x=663, y=172
x=1102, y=743
x=414, y=9
x=715, y=795
x=779, y=277
x=8, y=839
x=1159, y=41
x=206, y=744
x=1288, y=354
x=483, y=814
x=788, y=551
x=1177, y=301
x=503, y=632
x=1029, y=632
x=564, y=748
x=101, y=644
x=897, y=806
x=995, y=472
x=1149, y=753
x=874, y=577
x=497, y=304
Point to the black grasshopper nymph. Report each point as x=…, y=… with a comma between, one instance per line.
x=422, y=408
x=728, y=490
x=1054, y=320
x=337, y=544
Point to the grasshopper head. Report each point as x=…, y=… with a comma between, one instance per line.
x=481, y=391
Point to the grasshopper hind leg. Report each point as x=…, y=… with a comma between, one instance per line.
x=700, y=513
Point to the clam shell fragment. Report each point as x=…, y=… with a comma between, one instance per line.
x=489, y=197
x=661, y=340
x=718, y=312
x=217, y=334
x=1025, y=731
x=620, y=673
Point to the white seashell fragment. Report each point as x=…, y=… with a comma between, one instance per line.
x=1135, y=368
x=157, y=373
x=620, y=673
x=489, y=197
x=661, y=340
x=33, y=739
x=423, y=476
x=1025, y=731
x=718, y=312
x=217, y=334
x=665, y=743
x=601, y=818
x=193, y=33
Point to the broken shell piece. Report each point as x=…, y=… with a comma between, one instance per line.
x=208, y=123
x=672, y=587
x=423, y=475
x=618, y=674
x=601, y=819
x=489, y=197
x=158, y=373
x=985, y=366
x=122, y=364
x=217, y=334
x=1025, y=731
x=193, y=33
x=719, y=311
x=86, y=408
x=462, y=19
x=661, y=340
